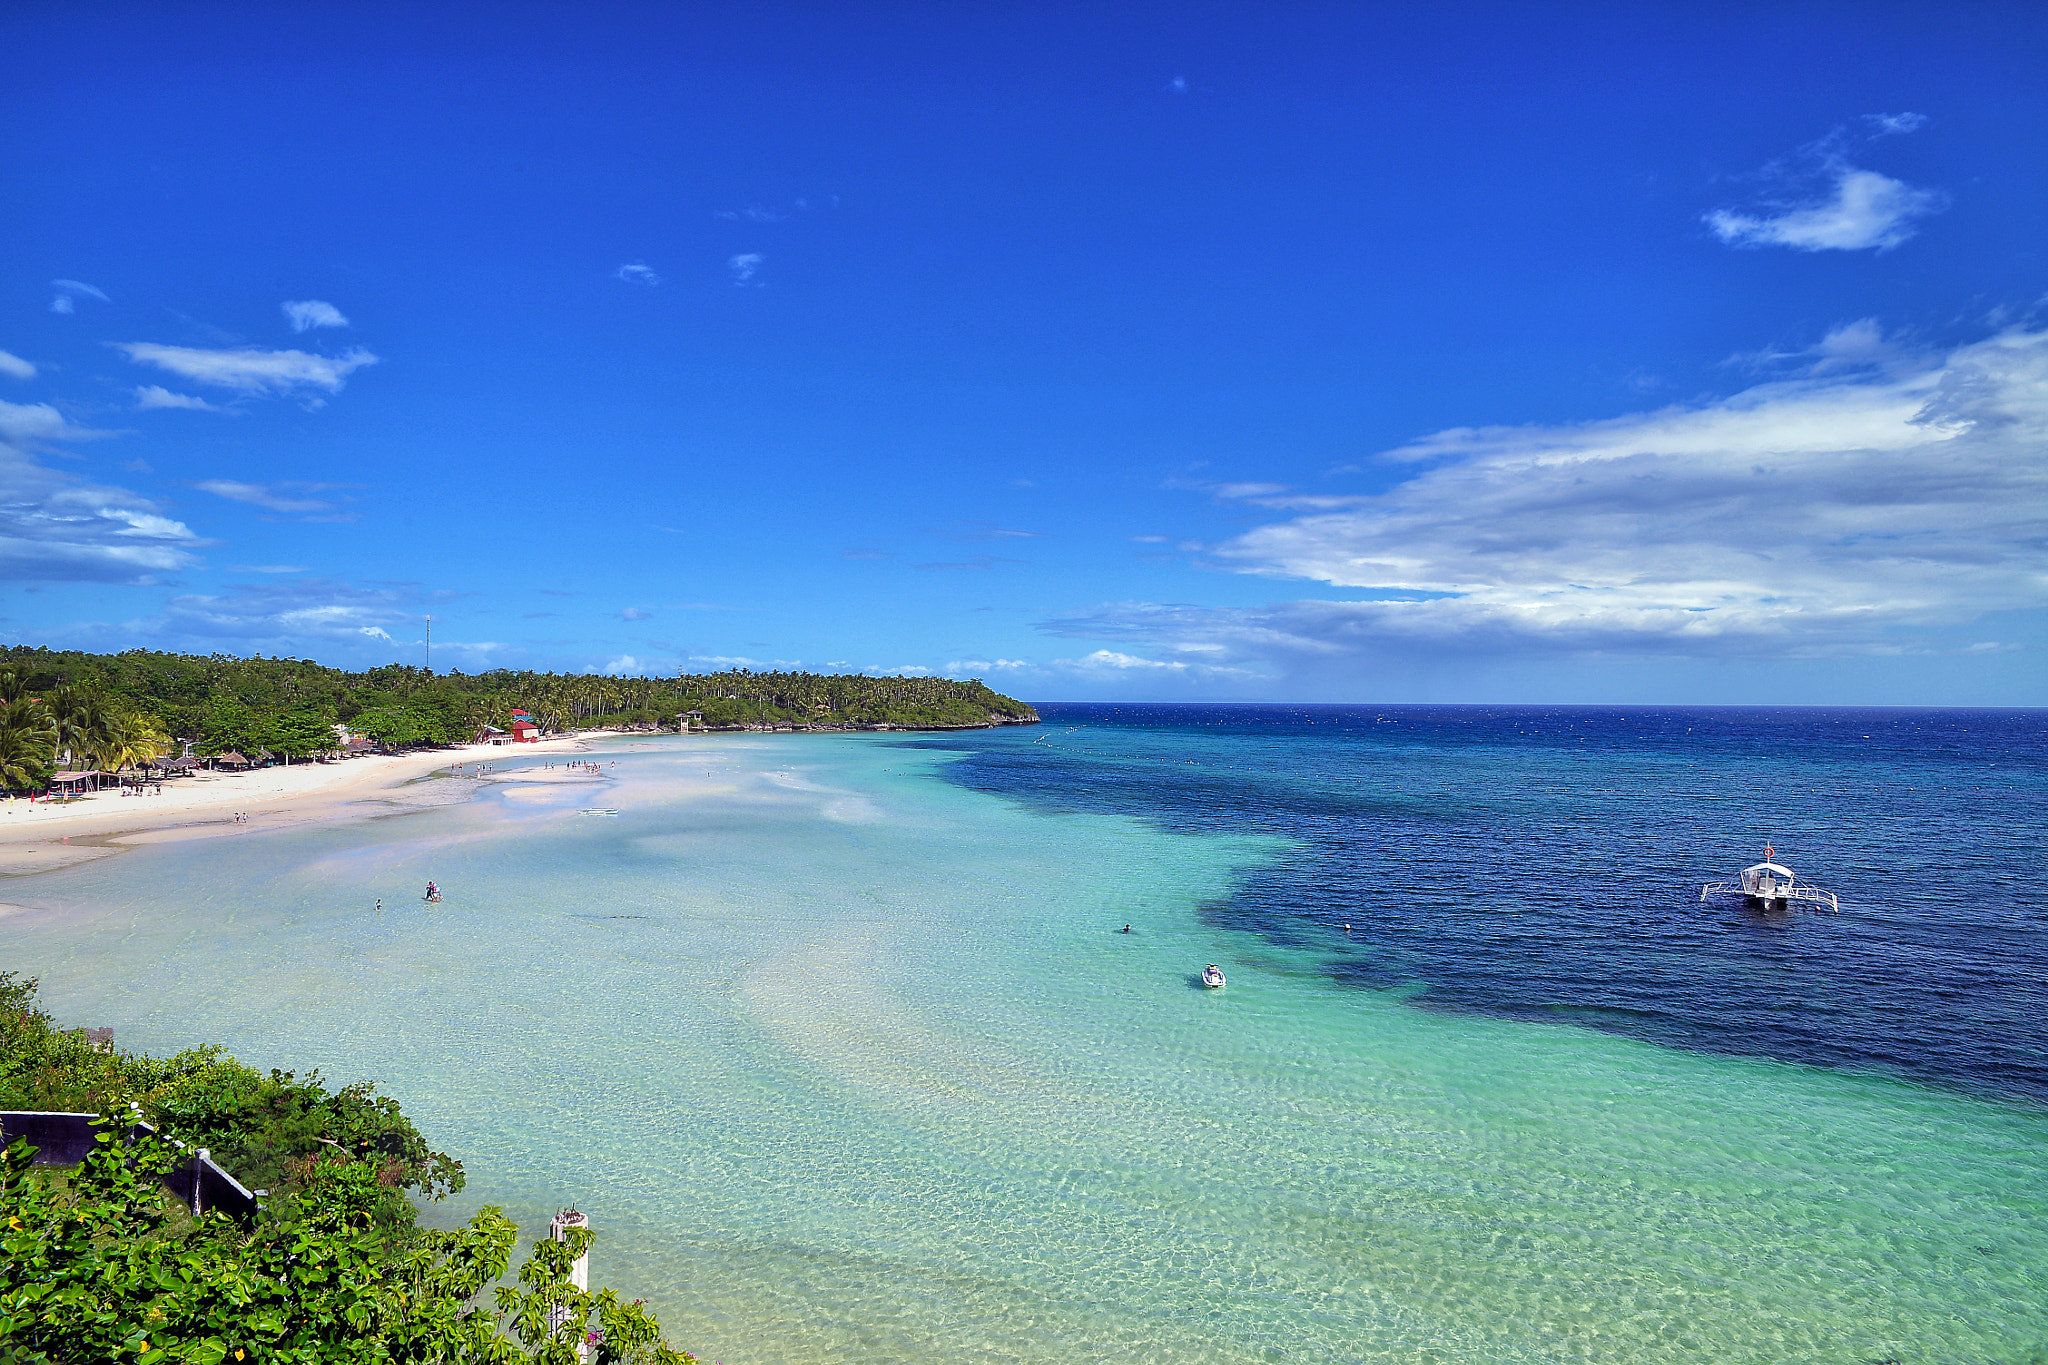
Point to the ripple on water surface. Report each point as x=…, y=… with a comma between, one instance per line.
x=847, y=1061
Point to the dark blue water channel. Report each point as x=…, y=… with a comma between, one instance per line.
x=1546, y=862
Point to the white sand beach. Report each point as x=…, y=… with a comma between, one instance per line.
x=38, y=836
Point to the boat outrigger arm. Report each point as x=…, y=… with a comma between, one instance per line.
x=1772, y=883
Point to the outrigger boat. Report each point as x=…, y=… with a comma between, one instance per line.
x=1771, y=884
x=1212, y=976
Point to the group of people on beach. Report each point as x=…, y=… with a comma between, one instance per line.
x=144, y=789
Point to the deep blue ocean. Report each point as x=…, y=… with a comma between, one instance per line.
x=1546, y=862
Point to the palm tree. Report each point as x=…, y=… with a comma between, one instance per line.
x=13, y=685
x=83, y=726
x=28, y=744
x=133, y=739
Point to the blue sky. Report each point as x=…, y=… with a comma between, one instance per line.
x=1343, y=353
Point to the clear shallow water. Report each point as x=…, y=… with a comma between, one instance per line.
x=847, y=1062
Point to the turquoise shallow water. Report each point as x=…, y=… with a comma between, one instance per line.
x=845, y=1060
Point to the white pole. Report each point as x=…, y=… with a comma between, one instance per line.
x=579, y=1269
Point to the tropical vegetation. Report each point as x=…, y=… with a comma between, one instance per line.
x=100, y=1263
x=107, y=710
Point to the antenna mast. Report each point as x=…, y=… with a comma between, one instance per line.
x=430, y=644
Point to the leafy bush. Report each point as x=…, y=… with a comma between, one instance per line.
x=99, y=1266
x=266, y=1129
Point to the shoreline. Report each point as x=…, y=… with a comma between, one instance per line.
x=42, y=838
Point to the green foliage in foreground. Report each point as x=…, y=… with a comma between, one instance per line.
x=269, y=1130
x=281, y=705
x=99, y=1263
x=97, y=1266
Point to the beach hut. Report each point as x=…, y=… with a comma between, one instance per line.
x=525, y=730
x=230, y=760
x=71, y=784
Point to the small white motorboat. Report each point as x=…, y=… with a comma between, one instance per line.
x=1771, y=884
x=1212, y=976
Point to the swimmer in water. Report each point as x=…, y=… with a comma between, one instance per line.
x=1127, y=928
x=380, y=905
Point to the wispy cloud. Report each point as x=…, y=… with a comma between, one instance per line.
x=69, y=292
x=1819, y=201
x=970, y=531
x=267, y=568
x=14, y=367
x=759, y=213
x=1887, y=125
x=745, y=266
x=294, y=615
x=56, y=528
x=1861, y=344
x=150, y=396
x=961, y=668
x=637, y=272
x=1830, y=516
x=635, y=614
x=306, y=314
x=862, y=552
x=249, y=371
x=287, y=498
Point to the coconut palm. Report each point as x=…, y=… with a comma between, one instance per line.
x=83, y=726
x=13, y=685
x=133, y=740
x=28, y=745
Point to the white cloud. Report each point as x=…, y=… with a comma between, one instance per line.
x=1828, y=517
x=636, y=272
x=15, y=367
x=69, y=292
x=624, y=664
x=150, y=396
x=1865, y=210
x=1852, y=345
x=963, y=667
x=306, y=314
x=273, y=497
x=1828, y=204
x=1109, y=658
x=634, y=614
x=745, y=267
x=267, y=568
x=1885, y=125
x=292, y=616
x=248, y=370
x=55, y=528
